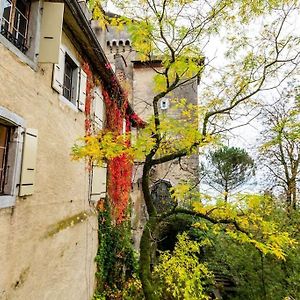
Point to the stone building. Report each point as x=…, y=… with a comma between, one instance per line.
x=52, y=71
x=139, y=77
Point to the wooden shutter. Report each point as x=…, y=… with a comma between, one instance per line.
x=98, y=108
x=82, y=90
x=58, y=72
x=98, y=183
x=51, y=30
x=124, y=126
x=28, y=162
x=1, y=11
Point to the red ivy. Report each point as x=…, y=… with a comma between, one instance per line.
x=136, y=120
x=89, y=98
x=119, y=185
x=119, y=168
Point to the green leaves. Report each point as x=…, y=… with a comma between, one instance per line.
x=228, y=168
x=141, y=33
x=180, y=275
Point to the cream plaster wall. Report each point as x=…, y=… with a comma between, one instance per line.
x=33, y=264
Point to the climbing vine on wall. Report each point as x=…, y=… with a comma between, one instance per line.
x=119, y=168
x=89, y=98
x=116, y=262
x=119, y=119
x=116, y=259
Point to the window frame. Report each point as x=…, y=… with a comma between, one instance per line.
x=75, y=79
x=9, y=33
x=58, y=79
x=30, y=58
x=98, y=109
x=13, y=120
x=4, y=148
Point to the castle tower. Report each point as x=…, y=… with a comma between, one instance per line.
x=137, y=78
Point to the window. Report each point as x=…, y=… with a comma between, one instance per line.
x=69, y=85
x=161, y=195
x=164, y=104
x=9, y=134
x=69, y=80
x=20, y=29
x=97, y=183
x=4, y=138
x=18, y=149
x=14, y=23
x=98, y=110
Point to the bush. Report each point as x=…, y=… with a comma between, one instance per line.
x=180, y=275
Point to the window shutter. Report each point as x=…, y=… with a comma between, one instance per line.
x=124, y=126
x=51, y=30
x=113, y=67
x=98, y=108
x=82, y=90
x=58, y=72
x=28, y=162
x=1, y=11
x=98, y=183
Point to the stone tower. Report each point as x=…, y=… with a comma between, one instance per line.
x=137, y=79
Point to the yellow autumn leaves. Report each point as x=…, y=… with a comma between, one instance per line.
x=176, y=134
x=248, y=221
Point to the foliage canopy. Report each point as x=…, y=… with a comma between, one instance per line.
x=228, y=168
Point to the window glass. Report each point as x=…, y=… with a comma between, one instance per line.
x=11, y=144
x=161, y=195
x=15, y=22
x=22, y=6
x=69, y=84
x=6, y=15
x=4, y=137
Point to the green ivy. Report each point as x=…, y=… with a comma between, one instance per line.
x=116, y=259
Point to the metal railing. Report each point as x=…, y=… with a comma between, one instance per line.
x=15, y=29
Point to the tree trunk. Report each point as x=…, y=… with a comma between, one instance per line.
x=146, y=240
x=226, y=193
x=291, y=195
x=288, y=199
x=145, y=261
x=294, y=195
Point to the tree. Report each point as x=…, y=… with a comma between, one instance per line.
x=227, y=169
x=268, y=278
x=281, y=147
x=177, y=31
